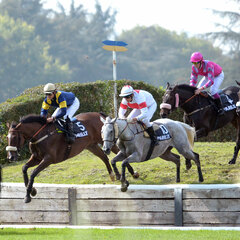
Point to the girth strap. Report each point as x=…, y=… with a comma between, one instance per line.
x=150, y=151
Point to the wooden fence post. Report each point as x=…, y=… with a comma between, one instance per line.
x=178, y=207
x=72, y=206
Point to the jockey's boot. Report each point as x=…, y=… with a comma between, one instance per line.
x=152, y=135
x=70, y=134
x=219, y=106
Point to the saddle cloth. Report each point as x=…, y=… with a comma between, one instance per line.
x=78, y=128
x=161, y=132
x=227, y=102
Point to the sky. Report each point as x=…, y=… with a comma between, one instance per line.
x=192, y=17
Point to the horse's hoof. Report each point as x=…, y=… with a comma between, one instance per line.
x=124, y=186
x=33, y=192
x=201, y=180
x=178, y=180
x=232, y=161
x=27, y=199
x=124, y=189
x=135, y=175
x=112, y=176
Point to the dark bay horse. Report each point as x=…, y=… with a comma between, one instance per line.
x=201, y=110
x=49, y=147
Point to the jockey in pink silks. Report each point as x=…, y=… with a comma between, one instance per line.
x=143, y=105
x=213, y=77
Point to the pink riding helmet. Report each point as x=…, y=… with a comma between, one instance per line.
x=196, y=57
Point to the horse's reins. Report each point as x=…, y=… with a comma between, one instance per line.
x=189, y=99
x=197, y=110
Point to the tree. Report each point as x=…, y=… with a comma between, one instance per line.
x=230, y=33
x=77, y=39
x=31, y=12
x=24, y=59
x=158, y=56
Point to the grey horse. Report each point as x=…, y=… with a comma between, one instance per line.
x=134, y=145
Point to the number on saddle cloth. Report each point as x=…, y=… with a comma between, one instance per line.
x=161, y=132
x=227, y=102
x=78, y=128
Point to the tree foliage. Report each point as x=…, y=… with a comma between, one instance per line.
x=24, y=58
x=44, y=45
x=229, y=35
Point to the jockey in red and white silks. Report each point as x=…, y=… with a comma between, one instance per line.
x=143, y=105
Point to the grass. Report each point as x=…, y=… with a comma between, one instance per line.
x=88, y=169
x=114, y=234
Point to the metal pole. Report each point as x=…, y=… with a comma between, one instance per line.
x=115, y=82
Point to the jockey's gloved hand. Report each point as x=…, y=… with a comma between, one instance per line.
x=131, y=120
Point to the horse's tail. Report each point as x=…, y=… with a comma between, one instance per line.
x=191, y=133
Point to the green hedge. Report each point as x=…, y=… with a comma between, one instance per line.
x=94, y=97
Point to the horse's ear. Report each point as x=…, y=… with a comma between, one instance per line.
x=168, y=85
x=102, y=120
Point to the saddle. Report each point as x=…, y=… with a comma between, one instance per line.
x=227, y=102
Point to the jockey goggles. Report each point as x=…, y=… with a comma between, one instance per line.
x=48, y=94
x=195, y=63
x=128, y=96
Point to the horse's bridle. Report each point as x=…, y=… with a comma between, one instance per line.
x=17, y=148
x=14, y=148
x=115, y=129
x=169, y=106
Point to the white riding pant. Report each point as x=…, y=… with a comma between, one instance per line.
x=151, y=110
x=217, y=82
x=70, y=110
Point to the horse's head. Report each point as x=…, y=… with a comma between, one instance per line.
x=169, y=102
x=108, y=134
x=15, y=141
x=176, y=96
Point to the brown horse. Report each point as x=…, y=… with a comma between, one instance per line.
x=49, y=147
x=201, y=112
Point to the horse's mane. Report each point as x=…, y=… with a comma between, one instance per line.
x=186, y=87
x=33, y=118
x=103, y=114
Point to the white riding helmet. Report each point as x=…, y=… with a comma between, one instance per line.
x=49, y=88
x=126, y=91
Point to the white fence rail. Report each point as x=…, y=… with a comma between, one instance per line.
x=141, y=205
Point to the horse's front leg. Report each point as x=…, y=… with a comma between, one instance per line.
x=43, y=164
x=119, y=157
x=131, y=158
x=33, y=161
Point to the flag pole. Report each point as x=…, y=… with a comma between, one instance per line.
x=115, y=46
x=115, y=82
